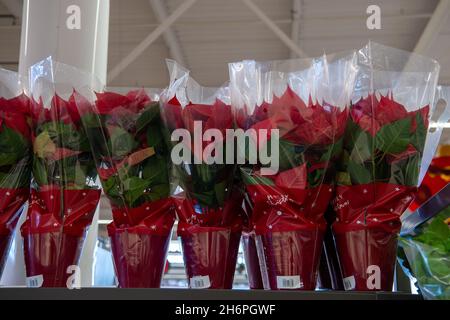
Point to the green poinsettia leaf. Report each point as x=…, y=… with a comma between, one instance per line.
x=205, y=174
x=315, y=178
x=155, y=138
x=40, y=172
x=17, y=176
x=220, y=191
x=66, y=135
x=13, y=146
x=112, y=189
x=362, y=148
x=133, y=188
x=205, y=198
x=76, y=175
x=291, y=155
x=43, y=145
x=121, y=142
x=359, y=174
x=352, y=132
x=91, y=120
x=160, y=191
x=406, y=171
x=150, y=114
x=343, y=178
x=420, y=134
x=394, y=137
x=155, y=170
x=333, y=151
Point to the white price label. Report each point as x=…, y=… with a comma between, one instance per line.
x=289, y=282
x=349, y=283
x=35, y=281
x=200, y=282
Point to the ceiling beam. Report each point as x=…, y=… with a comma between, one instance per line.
x=144, y=44
x=275, y=29
x=434, y=25
x=170, y=38
x=295, y=26
x=14, y=7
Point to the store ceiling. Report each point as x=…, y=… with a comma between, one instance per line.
x=214, y=32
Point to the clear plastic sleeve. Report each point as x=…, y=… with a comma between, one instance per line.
x=209, y=209
x=384, y=149
x=433, y=168
x=307, y=101
x=427, y=251
x=15, y=156
x=64, y=194
x=249, y=244
x=132, y=160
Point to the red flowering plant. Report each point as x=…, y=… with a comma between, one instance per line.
x=15, y=157
x=209, y=209
x=287, y=205
x=64, y=194
x=380, y=165
x=132, y=161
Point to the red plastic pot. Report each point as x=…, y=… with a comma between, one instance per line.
x=251, y=261
x=367, y=256
x=53, y=243
x=11, y=207
x=48, y=256
x=140, y=250
x=292, y=258
x=139, y=256
x=210, y=255
x=366, y=232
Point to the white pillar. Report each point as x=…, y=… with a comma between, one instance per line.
x=73, y=32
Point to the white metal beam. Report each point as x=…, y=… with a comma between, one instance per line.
x=14, y=6
x=140, y=48
x=170, y=37
x=434, y=25
x=275, y=29
x=295, y=26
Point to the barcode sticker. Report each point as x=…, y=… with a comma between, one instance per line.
x=200, y=282
x=289, y=282
x=349, y=283
x=35, y=281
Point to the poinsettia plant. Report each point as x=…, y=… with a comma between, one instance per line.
x=64, y=193
x=15, y=143
x=311, y=135
x=207, y=185
x=380, y=167
x=296, y=197
x=62, y=156
x=15, y=165
x=125, y=133
x=377, y=178
x=208, y=208
x=209, y=211
x=298, y=108
x=383, y=142
x=131, y=154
